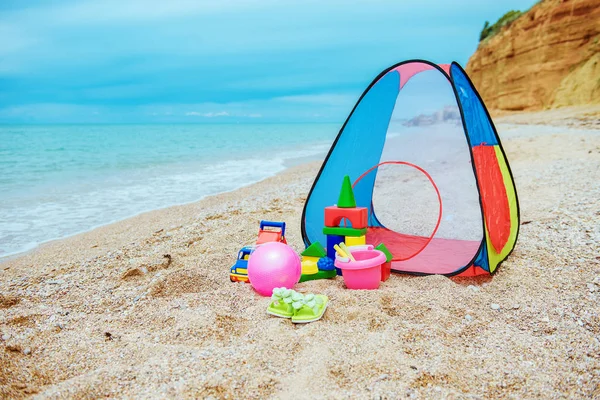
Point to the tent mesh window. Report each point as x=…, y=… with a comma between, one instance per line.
x=425, y=129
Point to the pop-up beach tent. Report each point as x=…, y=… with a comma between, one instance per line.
x=455, y=151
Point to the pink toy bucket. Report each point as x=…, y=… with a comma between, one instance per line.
x=365, y=272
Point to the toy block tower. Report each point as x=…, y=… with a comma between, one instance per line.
x=345, y=209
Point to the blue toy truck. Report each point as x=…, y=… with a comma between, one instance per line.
x=239, y=271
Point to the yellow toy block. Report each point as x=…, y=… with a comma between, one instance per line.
x=309, y=265
x=356, y=241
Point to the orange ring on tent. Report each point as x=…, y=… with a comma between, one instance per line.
x=437, y=191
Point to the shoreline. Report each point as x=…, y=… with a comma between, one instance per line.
x=288, y=164
x=66, y=202
x=289, y=168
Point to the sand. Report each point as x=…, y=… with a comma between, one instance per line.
x=144, y=308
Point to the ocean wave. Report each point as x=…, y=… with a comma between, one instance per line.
x=71, y=207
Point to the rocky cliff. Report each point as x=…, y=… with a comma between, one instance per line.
x=549, y=57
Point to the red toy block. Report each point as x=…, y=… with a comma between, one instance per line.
x=358, y=216
x=386, y=271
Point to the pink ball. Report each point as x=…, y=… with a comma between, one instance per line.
x=273, y=265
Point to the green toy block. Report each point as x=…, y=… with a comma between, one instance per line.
x=315, y=250
x=318, y=275
x=341, y=231
x=388, y=256
x=346, y=199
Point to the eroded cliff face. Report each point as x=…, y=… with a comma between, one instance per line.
x=549, y=57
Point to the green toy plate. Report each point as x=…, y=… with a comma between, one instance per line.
x=318, y=275
x=341, y=231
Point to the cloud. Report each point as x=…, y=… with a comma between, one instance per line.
x=268, y=110
x=216, y=114
x=16, y=39
x=208, y=114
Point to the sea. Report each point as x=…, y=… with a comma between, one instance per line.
x=60, y=180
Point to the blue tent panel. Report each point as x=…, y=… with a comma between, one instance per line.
x=482, y=258
x=477, y=122
x=352, y=155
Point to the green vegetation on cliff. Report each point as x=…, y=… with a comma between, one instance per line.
x=490, y=30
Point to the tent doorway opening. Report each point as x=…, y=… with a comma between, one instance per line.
x=375, y=226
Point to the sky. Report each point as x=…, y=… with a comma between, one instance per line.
x=233, y=61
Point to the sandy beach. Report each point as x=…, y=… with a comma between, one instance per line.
x=144, y=308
